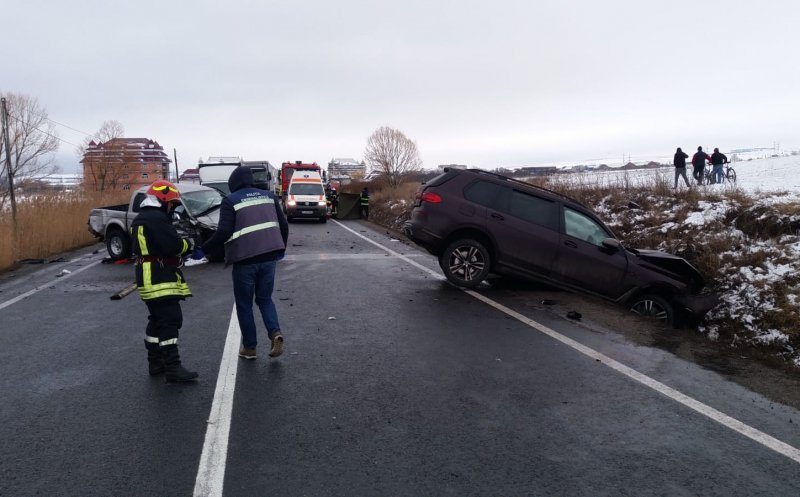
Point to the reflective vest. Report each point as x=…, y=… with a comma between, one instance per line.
x=256, y=230
x=159, y=247
x=364, y=199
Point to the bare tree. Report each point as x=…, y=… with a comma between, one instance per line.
x=392, y=154
x=32, y=139
x=101, y=171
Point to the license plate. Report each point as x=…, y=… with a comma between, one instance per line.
x=306, y=212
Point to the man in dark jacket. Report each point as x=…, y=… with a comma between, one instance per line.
x=699, y=164
x=718, y=160
x=254, y=232
x=680, y=166
x=158, y=249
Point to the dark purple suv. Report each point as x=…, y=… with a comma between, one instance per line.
x=478, y=223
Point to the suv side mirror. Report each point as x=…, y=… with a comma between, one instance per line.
x=612, y=243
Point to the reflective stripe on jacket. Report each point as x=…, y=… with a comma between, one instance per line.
x=153, y=235
x=365, y=199
x=256, y=230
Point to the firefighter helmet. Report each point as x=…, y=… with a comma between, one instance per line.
x=164, y=191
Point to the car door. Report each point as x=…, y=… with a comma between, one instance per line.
x=526, y=226
x=583, y=261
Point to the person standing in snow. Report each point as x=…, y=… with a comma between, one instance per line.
x=718, y=160
x=680, y=167
x=699, y=164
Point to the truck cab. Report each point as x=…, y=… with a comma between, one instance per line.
x=215, y=172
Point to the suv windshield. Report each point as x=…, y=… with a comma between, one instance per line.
x=202, y=201
x=306, y=189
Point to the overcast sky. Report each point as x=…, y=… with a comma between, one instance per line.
x=487, y=84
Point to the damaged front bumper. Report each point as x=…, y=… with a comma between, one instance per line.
x=698, y=305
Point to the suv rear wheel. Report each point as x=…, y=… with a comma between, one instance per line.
x=465, y=263
x=654, y=307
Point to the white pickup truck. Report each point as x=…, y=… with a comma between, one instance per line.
x=196, y=217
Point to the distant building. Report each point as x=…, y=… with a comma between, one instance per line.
x=123, y=164
x=190, y=176
x=345, y=169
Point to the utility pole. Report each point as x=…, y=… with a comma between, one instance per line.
x=9, y=171
x=177, y=176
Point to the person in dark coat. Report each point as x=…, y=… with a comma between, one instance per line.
x=254, y=232
x=364, y=200
x=158, y=249
x=699, y=160
x=680, y=166
x=718, y=161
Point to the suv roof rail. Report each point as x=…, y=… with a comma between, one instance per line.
x=513, y=180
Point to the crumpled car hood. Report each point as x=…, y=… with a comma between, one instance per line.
x=672, y=263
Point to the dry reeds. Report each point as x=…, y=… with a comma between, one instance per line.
x=48, y=224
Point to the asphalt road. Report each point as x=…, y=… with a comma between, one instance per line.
x=392, y=383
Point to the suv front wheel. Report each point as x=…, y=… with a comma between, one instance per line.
x=465, y=263
x=654, y=307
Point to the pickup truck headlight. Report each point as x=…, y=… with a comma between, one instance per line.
x=321, y=202
x=291, y=203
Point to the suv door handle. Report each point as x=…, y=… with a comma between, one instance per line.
x=570, y=243
x=497, y=216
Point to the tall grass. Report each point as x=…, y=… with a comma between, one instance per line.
x=48, y=224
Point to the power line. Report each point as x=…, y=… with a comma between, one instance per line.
x=68, y=127
x=42, y=131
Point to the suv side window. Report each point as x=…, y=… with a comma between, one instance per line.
x=529, y=208
x=582, y=227
x=482, y=192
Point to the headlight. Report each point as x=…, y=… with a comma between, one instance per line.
x=321, y=203
x=291, y=203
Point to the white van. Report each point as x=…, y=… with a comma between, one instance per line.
x=305, y=197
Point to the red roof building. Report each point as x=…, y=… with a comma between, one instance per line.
x=123, y=164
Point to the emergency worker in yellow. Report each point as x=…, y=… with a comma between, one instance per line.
x=158, y=249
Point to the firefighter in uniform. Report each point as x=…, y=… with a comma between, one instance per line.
x=365, y=203
x=332, y=200
x=158, y=249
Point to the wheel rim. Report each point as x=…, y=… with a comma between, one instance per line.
x=466, y=262
x=651, y=309
x=116, y=245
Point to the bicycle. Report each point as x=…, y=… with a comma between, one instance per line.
x=728, y=172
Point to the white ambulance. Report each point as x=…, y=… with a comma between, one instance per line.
x=305, y=197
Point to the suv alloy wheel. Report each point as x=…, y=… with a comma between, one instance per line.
x=654, y=307
x=465, y=263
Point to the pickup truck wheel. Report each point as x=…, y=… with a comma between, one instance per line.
x=654, y=307
x=118, y=244
x=465, y=263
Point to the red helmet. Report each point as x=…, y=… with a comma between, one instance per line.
x=164, y=191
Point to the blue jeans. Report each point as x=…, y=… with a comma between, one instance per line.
x=255, y=281
x=718, y=174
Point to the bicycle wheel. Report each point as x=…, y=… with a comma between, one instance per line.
x=730, y=175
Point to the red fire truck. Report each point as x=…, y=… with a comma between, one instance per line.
x=286, y=172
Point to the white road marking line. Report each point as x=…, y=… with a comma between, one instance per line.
x=47, y=285
x=734, y=424
x=211, y=471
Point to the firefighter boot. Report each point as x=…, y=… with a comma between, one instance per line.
x=175, y=371
x=155, y=360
